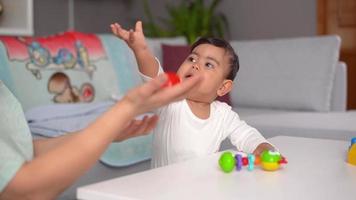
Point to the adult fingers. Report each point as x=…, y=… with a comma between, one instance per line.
x=153, y=85
x=151, y=124
x=156, y=96
x=142, y=126
x=178, y=91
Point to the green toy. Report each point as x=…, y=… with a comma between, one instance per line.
x=227, y=161
x=270, y=160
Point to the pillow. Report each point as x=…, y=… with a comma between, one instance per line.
x=173, y=57
x=64, y=68
x=155, y=44
x=294, y=73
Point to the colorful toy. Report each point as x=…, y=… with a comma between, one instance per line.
x=269, y=161
x=172, y=79
x=238, y=159
x=227, y=162
x=251, y=162
x=351, y=156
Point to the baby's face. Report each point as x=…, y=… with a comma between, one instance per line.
x=212, y=63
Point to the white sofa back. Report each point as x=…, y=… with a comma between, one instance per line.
x=292, y=74
x=339, y=92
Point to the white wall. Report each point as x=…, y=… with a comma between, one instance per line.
x=248, y=19
x=254, y=19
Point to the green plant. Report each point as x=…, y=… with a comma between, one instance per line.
x=189, y=18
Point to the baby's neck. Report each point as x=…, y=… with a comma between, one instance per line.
x=199, y=109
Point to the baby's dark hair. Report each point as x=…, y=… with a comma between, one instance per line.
x=234, y=59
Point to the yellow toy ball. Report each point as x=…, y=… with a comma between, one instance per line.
x=270, y=166
x=270, y=160
x=351, y=157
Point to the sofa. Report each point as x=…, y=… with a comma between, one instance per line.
x=294, y=86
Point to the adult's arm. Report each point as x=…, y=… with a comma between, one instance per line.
x=56, y=167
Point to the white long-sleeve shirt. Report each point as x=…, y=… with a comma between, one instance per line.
x=180, y=135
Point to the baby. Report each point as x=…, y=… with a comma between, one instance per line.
x=197, y=125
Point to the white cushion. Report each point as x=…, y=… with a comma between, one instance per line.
x=329, y=125
x=295, y=73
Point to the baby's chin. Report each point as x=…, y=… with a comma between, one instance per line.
x=196, y=98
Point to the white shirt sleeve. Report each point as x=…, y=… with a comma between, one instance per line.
x=244, y=137
x=147, y=78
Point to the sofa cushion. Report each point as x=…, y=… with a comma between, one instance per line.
x=328, y=125
x=155, y=44
x=295, y=73
x=173, y=56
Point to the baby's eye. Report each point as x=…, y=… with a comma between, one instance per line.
x=209, y=65
x=191, y=59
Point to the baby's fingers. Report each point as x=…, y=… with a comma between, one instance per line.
x=138, y=26
x=113, y=29
x=119, y=31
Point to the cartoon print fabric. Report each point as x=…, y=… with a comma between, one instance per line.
x=67, y=65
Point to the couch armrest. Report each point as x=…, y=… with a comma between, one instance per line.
x=339, y=91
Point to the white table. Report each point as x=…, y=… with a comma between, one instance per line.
x=316, y=170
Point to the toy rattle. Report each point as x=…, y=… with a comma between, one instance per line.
x=172, y=79
x=268, y=160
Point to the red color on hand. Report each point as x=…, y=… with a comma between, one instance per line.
x=172, y=79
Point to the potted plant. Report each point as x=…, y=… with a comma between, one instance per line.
x=189, y=18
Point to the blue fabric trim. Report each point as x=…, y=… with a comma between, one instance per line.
x=136, y=149
x=128, y=152
x=5, y=73
x=123, y=60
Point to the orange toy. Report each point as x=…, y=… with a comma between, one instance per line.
x=351, y=157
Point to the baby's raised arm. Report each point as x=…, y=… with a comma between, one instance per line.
x=135, y=39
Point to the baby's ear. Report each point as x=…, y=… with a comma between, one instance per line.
x=225, y=87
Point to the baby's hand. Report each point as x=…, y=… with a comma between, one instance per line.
x=135, y=39
x=262, y=147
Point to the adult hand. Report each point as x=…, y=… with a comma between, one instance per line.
x=151, y=95
x=138, y=128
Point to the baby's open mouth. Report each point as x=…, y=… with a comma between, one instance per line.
x=188, y=76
